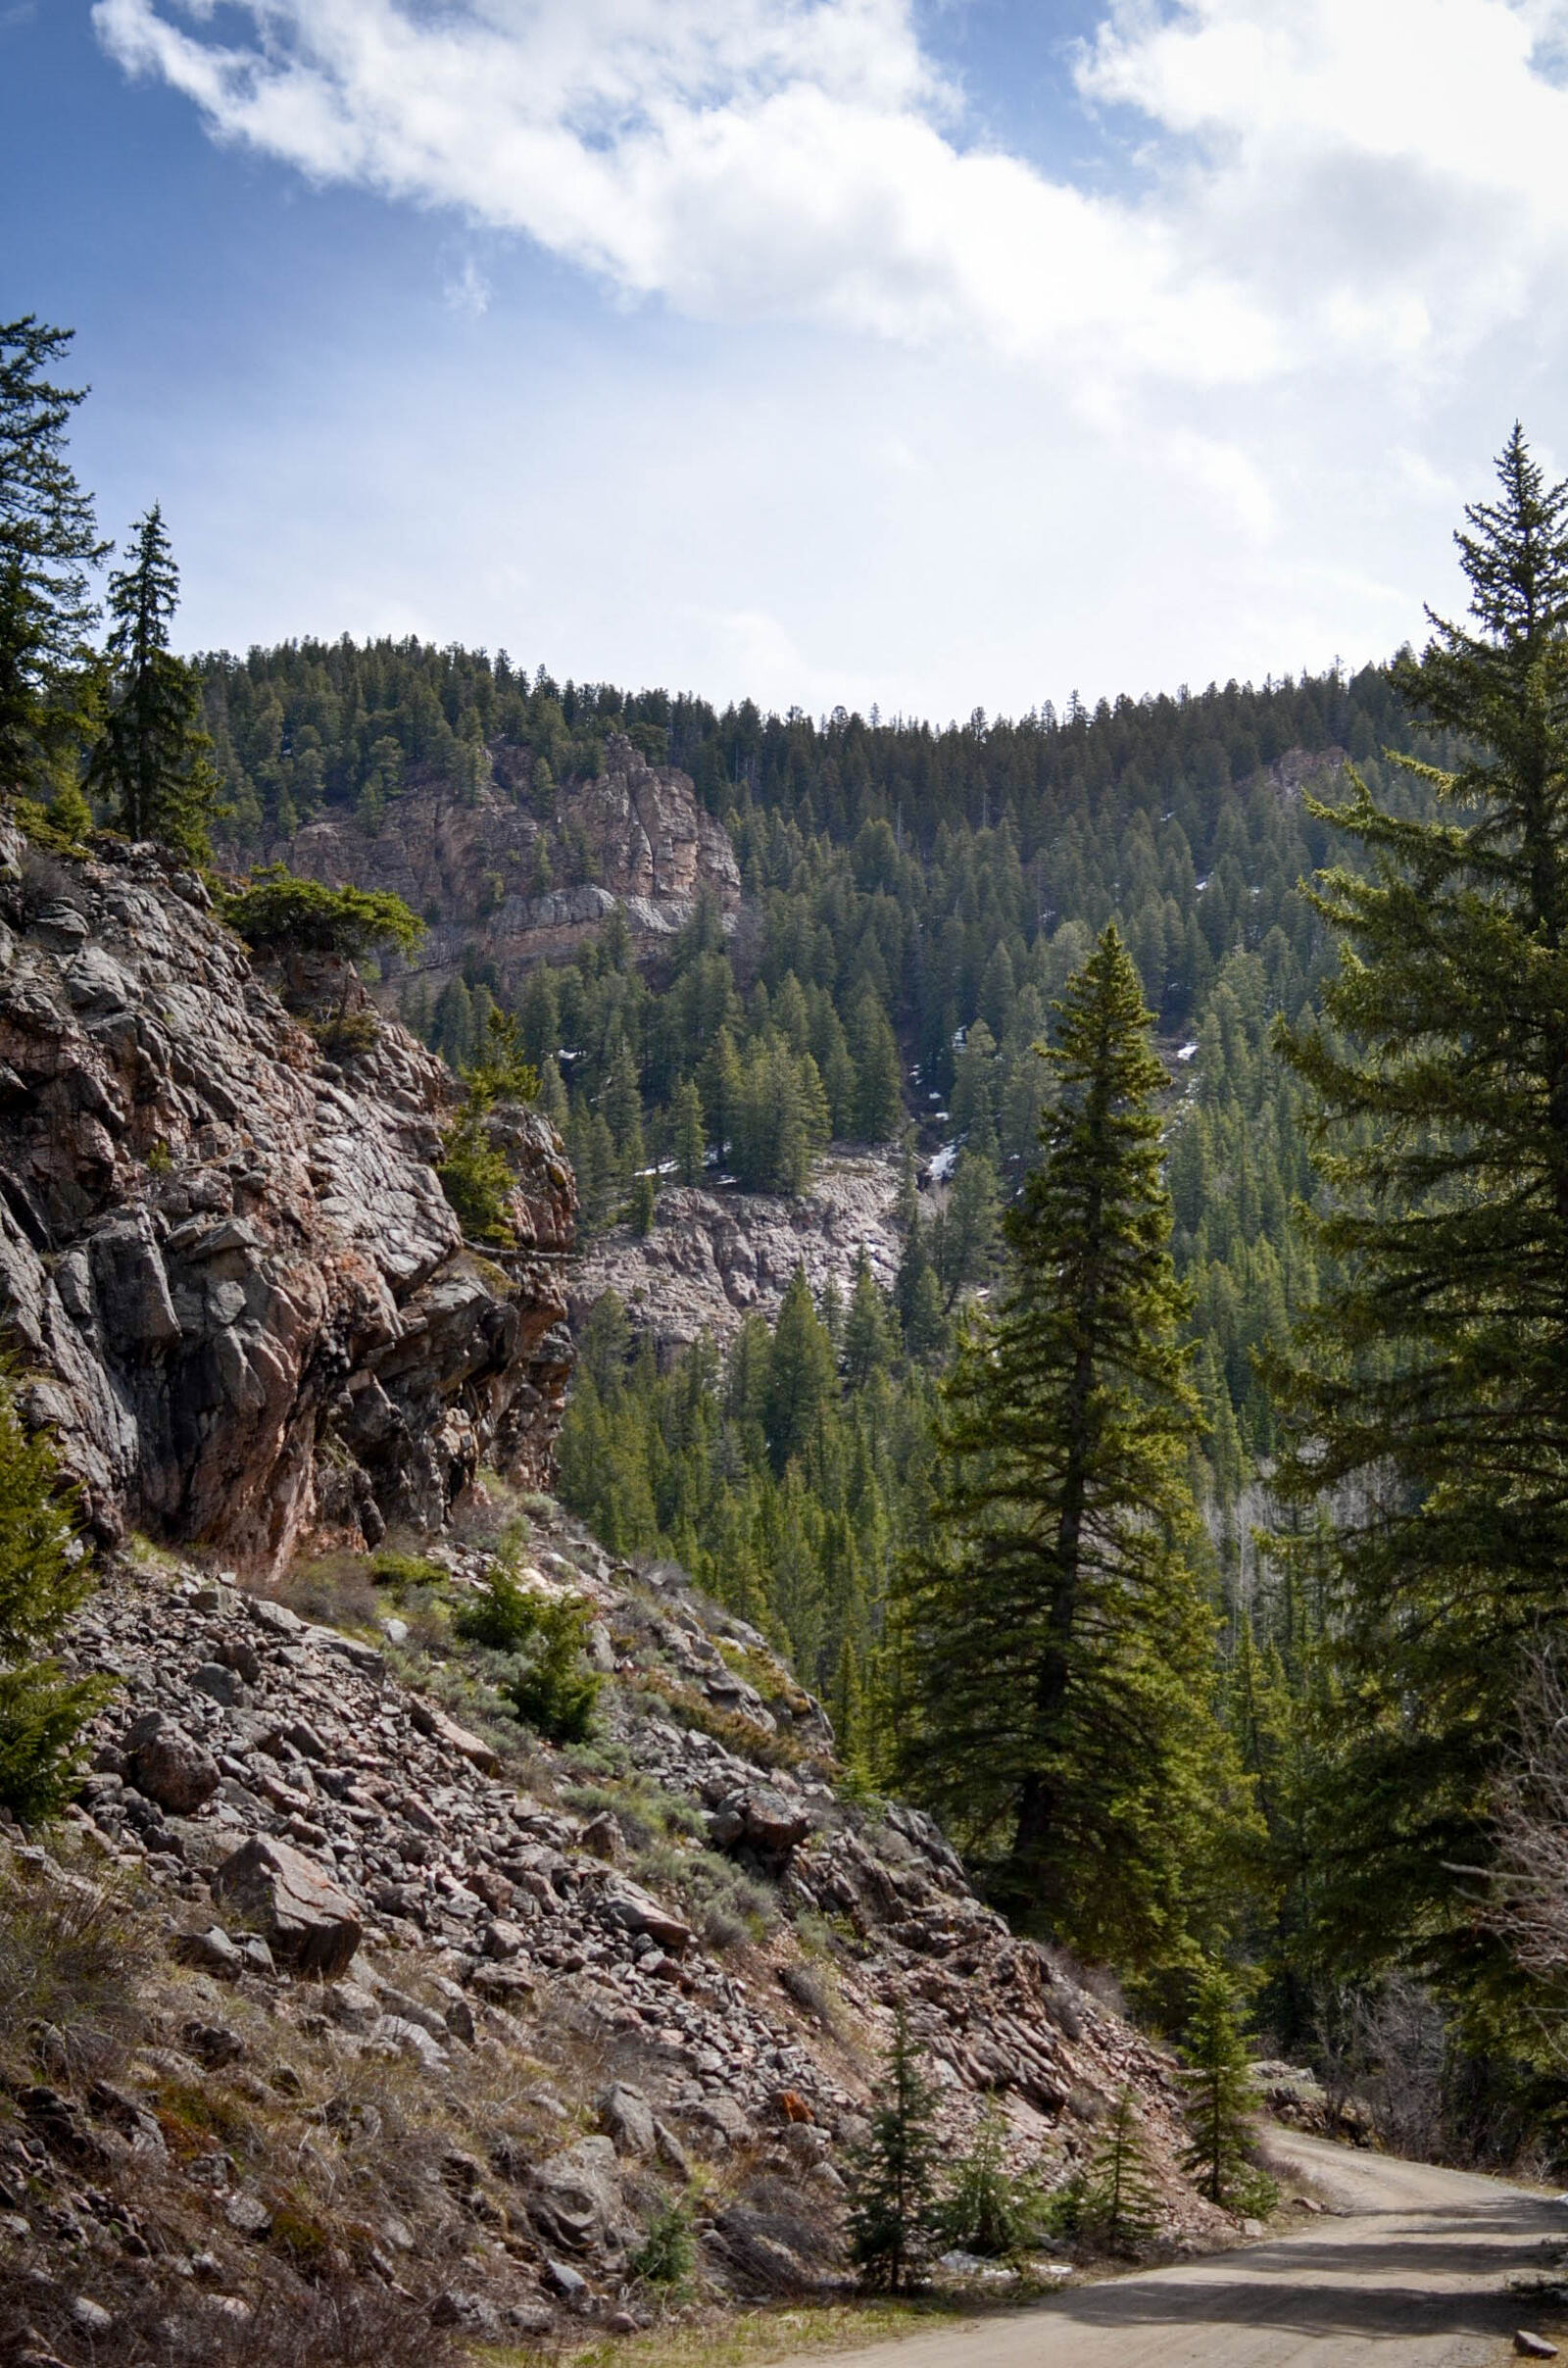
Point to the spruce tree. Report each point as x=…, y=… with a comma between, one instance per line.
x=1221, y=2098
x=1058, y=1649
x=691, y=1135
x=1428, y=1401
x=1120, y=2202
x=152, y=765
x=44, y=1574
x=49, y=544
x=892, y=2206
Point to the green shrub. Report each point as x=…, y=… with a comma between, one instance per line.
x=390, y=1568
x=44, y=1574
x=556, y=1692
x=667, y=2254
x=347, y=1032
x=989, y=2209
x=477, y=1182
x=503, y=1618
x=274, y=910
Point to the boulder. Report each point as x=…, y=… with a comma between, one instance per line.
x=574, y=2197
x=443, y=1730
x=169, y=1765
x=627, y=2119
x=309, y=1920
x=634, y=1909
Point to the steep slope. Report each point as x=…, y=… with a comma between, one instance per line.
x=435, y=2021
x=239, y=1296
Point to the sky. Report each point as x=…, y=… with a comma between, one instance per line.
x=925, y=354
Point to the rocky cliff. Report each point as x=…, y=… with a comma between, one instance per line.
x=713, y=1258
x=227, y=1271
x=635, y=840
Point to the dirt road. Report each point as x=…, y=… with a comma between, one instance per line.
x=1412, y=2276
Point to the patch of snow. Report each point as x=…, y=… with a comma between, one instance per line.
x=1188, y=1051
x=944, y=1163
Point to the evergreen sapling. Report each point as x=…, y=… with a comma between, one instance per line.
x=892, y=2209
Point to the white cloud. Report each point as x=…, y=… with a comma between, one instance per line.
x=467, y=291
x=1377, y=181
x=1220, y=421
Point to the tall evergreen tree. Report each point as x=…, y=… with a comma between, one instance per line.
x=152, y=764
x=1222, y=2095
x=1058, y=1647
x=1428, y=1405
x=49, y=544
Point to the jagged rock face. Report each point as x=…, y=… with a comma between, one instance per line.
x=713, y=1258
x=238, y=1294
x=470, y=870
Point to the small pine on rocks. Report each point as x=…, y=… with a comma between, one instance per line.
x=892, y=2209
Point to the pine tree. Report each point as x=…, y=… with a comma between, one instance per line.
x=1120, y=2202
x=1055, y=1640
x=44, y=1574
x=801, y=1377
x=152, y=764
x=892, y=2181
x=868, y=1344
x=1428, y=1402
x=49, y=544
x=1222, y=2099
x=691, y=1137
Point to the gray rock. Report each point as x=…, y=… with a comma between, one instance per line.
x=213, y=1951
x=308, y=1920
x=627, y=2119
x=634, y=1909
x=221, y=1685
x=169, y=1765
x=248, y=2215
x=574, y=2197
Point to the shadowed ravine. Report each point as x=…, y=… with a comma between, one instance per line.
x=1413, y=2275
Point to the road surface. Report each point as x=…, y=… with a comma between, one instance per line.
x=1412, y=2276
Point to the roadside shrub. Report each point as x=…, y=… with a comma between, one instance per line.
x=989, y=2209
x=667, y=2254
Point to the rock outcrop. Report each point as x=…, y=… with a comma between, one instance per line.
x=233, y=1286
x=713, y=1258
x=636, y=840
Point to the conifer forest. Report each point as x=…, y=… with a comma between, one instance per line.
x=1186, y=1524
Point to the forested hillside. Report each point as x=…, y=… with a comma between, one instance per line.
x=914, y=900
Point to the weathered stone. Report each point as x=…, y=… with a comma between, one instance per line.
x=309, y=1921
x=213, y=1951
x=574, y=2196
x=501, y=1939
x=634, y=1909
x=248, y=2215
x=277, y=1332
x=169, y=1765
x=444, y=1730
x=627, y=2119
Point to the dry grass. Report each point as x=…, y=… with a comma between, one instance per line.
x=748, y=2339
x=71, y=1956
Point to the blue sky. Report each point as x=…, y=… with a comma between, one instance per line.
x=937, y=356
